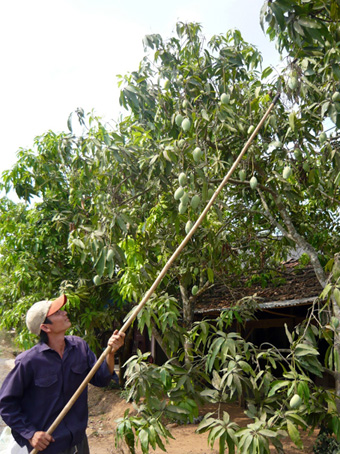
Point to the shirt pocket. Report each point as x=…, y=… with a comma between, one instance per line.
x=78, y=372
x=80, y=368
x=47, y=385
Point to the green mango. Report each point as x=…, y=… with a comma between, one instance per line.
x=188, y=227
x=186, y=124
x=295, y=401
x=178, y=193
x=182, y=178
x=225, y=98
x=336, y=97
x=197, y=154
x=287, y=172
x=178, y=119
x=242, y=175
x=97, y=280
x=194, y=290
x=182, y=207
x=110, y=255
x=195, y=201
x=253, y=182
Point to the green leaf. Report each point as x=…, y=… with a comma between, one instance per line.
x=337, y=180
x=294, y=434
x=298, y=28
x=335, y=424
x=278, y=385
x=279, y=14
x=177, y=410
x=311, y=364
x=214, y=350
x=268, y=433
x=100, y=263
x=79, y=243
x=210, y=275
x=266, y=72
x=304, y=349
x=336, y=295
x=289, y=336
x=205, y=115
x=325, y=292
x=69, y=122
x=336, y=71
x=143, y=436
x=333, y=113
x=324, y=107
x=206, y=423
x=303, y=390
x=297, y=419
x=309, y=23
x=216, y=380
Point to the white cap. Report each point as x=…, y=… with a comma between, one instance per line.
x=37, y=314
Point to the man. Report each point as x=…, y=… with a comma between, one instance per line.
x=46, y=377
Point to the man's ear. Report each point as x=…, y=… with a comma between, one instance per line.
x=45, y=328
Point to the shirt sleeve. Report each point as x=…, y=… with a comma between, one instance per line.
x=11, y=393
x=103, y=376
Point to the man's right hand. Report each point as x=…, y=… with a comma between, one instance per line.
x=41, y=440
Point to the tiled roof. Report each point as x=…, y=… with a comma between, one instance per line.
x=293, y=286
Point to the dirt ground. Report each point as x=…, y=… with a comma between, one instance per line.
x=106, y=406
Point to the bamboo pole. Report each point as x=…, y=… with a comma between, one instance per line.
x=161, y=275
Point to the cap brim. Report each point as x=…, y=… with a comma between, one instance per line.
x=56, y=305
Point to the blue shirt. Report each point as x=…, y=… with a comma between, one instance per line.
x=41, y=384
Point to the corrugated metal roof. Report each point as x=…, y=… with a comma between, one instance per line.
x=267, y=305
x=288, y=303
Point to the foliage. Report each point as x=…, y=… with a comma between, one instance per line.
x=326, y=444
x=225, y=369
x=38, y=244
x=146, y=429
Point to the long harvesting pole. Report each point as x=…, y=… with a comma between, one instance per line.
x=161, y=275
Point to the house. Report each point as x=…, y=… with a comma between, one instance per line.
x=282, y=297
x=285, y=297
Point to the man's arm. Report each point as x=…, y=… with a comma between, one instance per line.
x=11, y=394
x=115, y=342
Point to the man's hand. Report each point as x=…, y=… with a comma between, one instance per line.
x=41, y=440
x=116, y=341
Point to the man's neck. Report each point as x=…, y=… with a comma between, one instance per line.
x=57, y=343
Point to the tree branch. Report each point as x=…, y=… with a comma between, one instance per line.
x=271, y=218
x=291, y=233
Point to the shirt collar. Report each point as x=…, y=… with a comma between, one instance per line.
x=69, y=343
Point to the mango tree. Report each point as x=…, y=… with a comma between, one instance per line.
x=308, y=33
x=206, y=101
x=54, y=240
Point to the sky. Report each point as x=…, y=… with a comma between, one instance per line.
x=59, y=55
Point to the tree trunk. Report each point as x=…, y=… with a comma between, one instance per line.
x=161, y=343
x=291, y=233
x=188, y=318
x=336, y=313
x=124, y=354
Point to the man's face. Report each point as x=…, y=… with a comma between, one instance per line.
x=59, y=322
